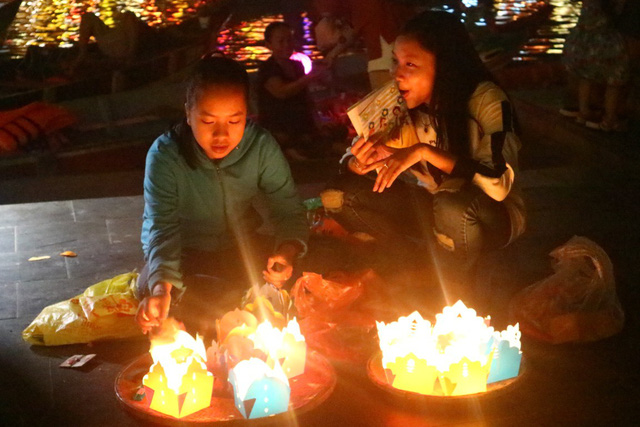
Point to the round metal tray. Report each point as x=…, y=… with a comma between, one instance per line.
x=307, y=392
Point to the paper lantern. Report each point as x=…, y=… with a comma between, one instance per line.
x=506, y=354
x=460, y=354
x=232, y=320
x=258, y=390
x=178, y=383
x=286, y=347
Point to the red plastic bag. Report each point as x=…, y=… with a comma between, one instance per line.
x=314, y=294
x=577, y=303
x=336, y=314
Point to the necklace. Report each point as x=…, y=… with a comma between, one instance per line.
x=426, y=122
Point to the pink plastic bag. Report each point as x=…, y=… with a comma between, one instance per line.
x=577, y=303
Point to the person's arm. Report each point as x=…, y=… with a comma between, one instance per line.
x=285, y=207
x=390, y=168
x=494, y=160
x=363, y=153
x=161, y=226
x=278, y=87
x=160, y=237
x=154, y=308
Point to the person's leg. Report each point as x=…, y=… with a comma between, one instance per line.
x=390, y=215
x=611, y=105
x=466, y=224
x=584, y=96
x=90, y=26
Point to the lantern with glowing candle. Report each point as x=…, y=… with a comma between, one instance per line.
x=178, y=383
x=286, y=347
x=259, y=391
x=453, y=357
x=507, y=355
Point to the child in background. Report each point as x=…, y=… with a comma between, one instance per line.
x=199, y=229
x=284, y=105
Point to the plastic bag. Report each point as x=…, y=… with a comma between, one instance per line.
x=335, y=314
x=577, y=303
x=105, y=310
x=313, y=293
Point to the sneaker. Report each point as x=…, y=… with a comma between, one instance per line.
x=618, y=126
x=569, y=113
x=591, y=117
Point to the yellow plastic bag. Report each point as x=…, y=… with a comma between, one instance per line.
x=105, y=310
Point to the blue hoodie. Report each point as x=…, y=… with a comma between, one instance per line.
x=203, y=208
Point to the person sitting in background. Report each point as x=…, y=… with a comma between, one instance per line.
x=199, y=232
x=284, y=103
x=376, y=22
x=119, y=44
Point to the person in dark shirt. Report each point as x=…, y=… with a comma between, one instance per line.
x=284, y=104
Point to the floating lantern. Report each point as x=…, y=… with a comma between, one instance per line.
x=178, y=383
x=459, y=355
x=259, y=391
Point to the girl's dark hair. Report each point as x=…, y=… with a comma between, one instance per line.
x=459, y=70
x=210, y=71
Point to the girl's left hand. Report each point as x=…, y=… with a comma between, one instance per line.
x=391, y=167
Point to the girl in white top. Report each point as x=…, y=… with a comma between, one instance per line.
x=466, y=159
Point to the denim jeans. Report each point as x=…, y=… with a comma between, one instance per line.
x=463, y=224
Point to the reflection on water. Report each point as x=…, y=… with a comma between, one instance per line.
x=549, y=37
x=56, y=22
x=244, y=41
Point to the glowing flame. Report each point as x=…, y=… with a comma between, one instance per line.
x=176, y=356
x=286, y=347
x=178, y=382
x=452, y=357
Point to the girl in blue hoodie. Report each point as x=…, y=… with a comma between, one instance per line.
x=200, y=180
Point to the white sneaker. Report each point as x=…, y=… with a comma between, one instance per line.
x=569, y=113
x=618, y=126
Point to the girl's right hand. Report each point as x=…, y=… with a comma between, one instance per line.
x=367, y=152
x=154, y=308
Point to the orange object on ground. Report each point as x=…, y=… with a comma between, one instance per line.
x=21, y=126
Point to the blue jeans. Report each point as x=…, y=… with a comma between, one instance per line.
x=462, y=224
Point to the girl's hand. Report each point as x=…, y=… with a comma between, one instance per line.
x=369, y=151
x=154, y=308
x=391, y=167
x=280, y=265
